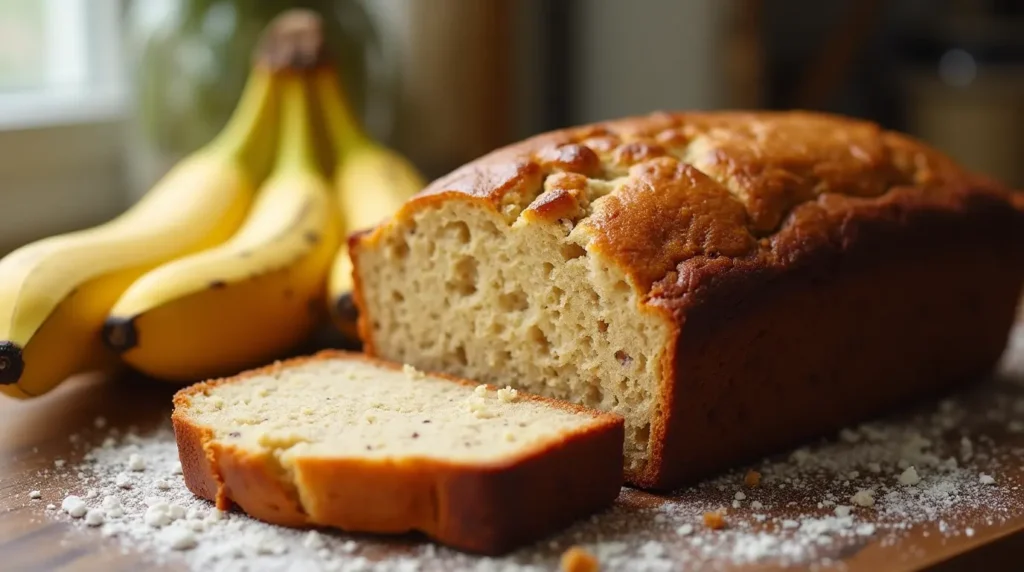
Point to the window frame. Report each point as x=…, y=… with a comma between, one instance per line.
x=60, y=165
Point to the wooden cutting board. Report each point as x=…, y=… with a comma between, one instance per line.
x=34, y=433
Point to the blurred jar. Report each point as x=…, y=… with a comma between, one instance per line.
x=188, y=61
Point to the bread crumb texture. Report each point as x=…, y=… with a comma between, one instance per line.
x=714, y=520
x=525, y=301
x=353, y=408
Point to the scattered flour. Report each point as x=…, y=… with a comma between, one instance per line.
x=909, y=477
x=935, y=469
x=74, y=506
x=95, y=517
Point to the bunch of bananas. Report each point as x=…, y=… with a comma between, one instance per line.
x=221, y=266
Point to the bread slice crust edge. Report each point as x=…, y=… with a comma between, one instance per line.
x=487, y=508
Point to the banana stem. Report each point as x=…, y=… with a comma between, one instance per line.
x=295, y=151
x=342, y=126
x=240, y=131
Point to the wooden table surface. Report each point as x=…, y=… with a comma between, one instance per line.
x=34, y=433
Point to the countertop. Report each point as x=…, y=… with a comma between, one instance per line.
x=35, y=433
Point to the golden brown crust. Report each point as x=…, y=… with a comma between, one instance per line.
x=358, y=294
x=254, y=482
x=666, y=212
x=488, y=508
x=196, y=462
x=710, y=215
x=730, y=179
x=563, y=198
x=769, y=356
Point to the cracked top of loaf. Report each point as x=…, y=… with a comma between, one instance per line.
x=665, y=195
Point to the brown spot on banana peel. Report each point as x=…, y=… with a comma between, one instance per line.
x=315, y=306
x=217, y=284
x=12, y=363
x=345, y=308
x=119, y=334
x=344, y=316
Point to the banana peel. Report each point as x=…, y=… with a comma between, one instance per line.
x=55, y=293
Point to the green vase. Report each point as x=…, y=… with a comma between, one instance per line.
x=188, y=61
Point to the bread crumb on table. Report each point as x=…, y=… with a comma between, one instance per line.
x=576, y=559
x=752, y=479
x=714, y=520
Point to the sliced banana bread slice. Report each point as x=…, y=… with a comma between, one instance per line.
x=341, y=440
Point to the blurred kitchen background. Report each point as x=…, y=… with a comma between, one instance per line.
x=99, y=97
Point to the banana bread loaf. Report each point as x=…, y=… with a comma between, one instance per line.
x=342, y=440
x=730, y=283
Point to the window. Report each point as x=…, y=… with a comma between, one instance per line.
x=61, y=104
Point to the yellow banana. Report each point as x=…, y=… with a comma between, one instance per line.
x=252, y=298
x=55, y=293
x=371, y=182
